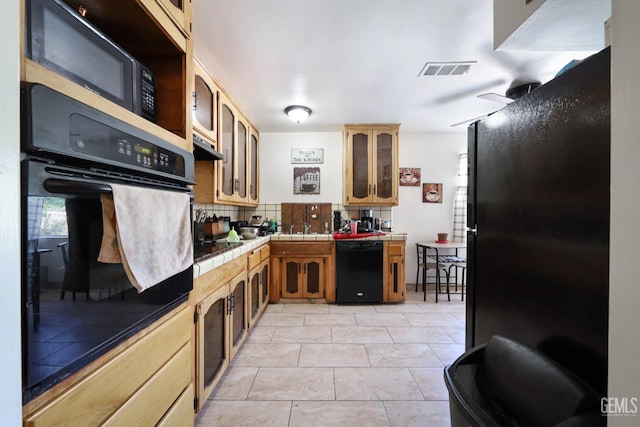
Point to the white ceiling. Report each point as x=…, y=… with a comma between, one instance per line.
x=357, y=61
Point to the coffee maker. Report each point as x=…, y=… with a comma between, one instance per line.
x=366, y=221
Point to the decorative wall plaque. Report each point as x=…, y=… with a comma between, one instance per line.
x=306, y=180
x=431, y=193
x=307, y=155
x=410, y=177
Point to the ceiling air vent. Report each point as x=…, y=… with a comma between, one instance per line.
x=446, y=68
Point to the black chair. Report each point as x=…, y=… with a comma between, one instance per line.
x=33, y=277
x=425, y=265
x=462, y=265
x=65, y=259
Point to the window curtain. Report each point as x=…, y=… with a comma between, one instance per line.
x=460, y=215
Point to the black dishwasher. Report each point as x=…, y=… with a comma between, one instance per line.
x=359, y=271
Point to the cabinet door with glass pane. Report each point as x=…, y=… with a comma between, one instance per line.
x=180, y=13
x=385, y=167
x=264, y=284
x=302, y=277
x=227, y=166
x=313, y=277
x=237, y=172
x=371, y=165
x=205, y=104
x=239, y=312
x=358, y=167
x=253, y=169
x=212, y=342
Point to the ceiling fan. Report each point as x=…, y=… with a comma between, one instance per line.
x=513, y=93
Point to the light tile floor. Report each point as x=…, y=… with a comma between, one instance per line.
x=343, y=365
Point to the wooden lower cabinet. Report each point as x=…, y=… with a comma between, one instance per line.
x=212, y=342
x=264, y=284
x=228, y=300
x=394, y=283
x=238, y=312
x=221, y=325
x=258, y=283
x=142, y=382
x=302, y=270
x=302, y=277
x=258, y=293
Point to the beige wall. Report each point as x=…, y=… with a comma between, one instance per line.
x=436, y=154
x=10, y=392
x=508, y=15
x=624, y=317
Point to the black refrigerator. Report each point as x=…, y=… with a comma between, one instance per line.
x=538, y=217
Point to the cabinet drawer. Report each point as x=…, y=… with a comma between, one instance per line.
x=265, y=253
x=254, y=260
x=181, y=413
x=301, y=248
x=396, y=249
x=98, y=396
x=257, y=256
x=151, y=402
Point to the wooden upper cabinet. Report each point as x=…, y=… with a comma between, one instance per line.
x=253, y=168
x=205, y=103
x=237, y=182
x=227, y=168
x=371, y=165
x=179, y=11
x=242, y=146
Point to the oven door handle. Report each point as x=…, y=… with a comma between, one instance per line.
x=61, y=186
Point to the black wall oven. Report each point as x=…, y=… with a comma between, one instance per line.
x=71, y=155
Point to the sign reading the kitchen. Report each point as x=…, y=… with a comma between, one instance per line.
x=307, y=155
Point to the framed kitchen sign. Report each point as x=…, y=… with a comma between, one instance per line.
x=431, y=193
x=307, y=155
x=410, y=177
x=306, y=180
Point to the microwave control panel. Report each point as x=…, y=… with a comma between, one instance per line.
x=147, y=95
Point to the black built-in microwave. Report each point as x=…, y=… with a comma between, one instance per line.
x=62, y=40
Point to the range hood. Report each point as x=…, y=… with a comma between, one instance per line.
x=203, y=150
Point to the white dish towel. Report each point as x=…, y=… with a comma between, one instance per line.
x=148, y=231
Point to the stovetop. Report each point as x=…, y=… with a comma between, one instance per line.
x=208, y=249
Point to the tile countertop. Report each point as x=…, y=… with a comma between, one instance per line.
x=209, y=264
x=315, y=237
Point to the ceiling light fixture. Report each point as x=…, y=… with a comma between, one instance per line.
x=298, y=113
